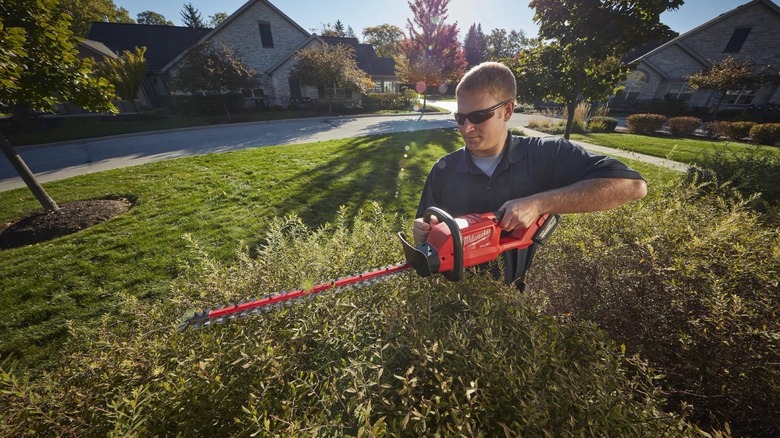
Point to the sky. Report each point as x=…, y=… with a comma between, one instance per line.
x=358, y=14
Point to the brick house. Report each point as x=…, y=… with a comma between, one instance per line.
x=748, y=32
x=267, y=40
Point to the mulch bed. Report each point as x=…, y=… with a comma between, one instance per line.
x=70, y=218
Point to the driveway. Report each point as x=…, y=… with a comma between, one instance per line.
x=67, y=159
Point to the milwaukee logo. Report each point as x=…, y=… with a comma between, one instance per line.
x=477, y=238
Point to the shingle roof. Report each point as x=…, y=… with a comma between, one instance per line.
x=365, y=56
x=163, y=43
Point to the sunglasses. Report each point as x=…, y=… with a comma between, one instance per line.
x=479, y=116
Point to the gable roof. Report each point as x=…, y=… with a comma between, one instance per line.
x=719, y=18
x=226, y=22
x=163, y=43
x=95, y=49
x=365, y=56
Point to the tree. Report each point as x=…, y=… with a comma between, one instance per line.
x=39, y=66
x=548, y=72
x=84, y=12
x=431, y=55
x=191, y=17
x=590, y=37
x=386, y=39
x=217, y=18
x=728, y=74
x=151, y=17
x=475, y=45
x=337, y=30
x=213, y=70
x=501, y=45
x=125, y=73
x=330, y=67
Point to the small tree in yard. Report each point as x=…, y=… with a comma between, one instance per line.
x=587, y=39
x=432, y=54
x=39, y=66
x=728, y=74
x=125, y=73
x=333, y=66
x=219, y=71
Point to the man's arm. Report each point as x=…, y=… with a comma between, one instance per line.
x=581, y=197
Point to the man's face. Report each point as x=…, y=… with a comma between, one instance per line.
x=486, y=138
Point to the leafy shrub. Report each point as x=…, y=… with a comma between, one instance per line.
x=405, y=357
x=180, y=104
x=766, y=133
x=602, y=124
x=646, y=124
x=384, y=101
x=688, y=282
x=736, y=130
x=683, y=126
x=752, y=174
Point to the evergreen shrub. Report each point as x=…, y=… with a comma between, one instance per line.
x=646, y=124
x=766, y=133
x=683, y=126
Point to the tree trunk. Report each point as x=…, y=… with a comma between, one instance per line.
x=570, y=108
x=27, y=176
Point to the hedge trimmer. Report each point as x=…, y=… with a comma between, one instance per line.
x=452, y=245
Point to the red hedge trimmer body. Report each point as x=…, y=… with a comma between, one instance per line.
x=452, y=245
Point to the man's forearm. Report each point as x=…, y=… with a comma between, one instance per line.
x=591, y=195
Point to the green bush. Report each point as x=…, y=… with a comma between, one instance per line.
x=683, y=126
x=752, y=174
x=646, y=124
x=688, y=282
x=766, y=133
x=202, y=104
x=602, y=124
x=406, y=357
x=375, y=102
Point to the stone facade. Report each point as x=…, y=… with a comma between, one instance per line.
x=667, y=66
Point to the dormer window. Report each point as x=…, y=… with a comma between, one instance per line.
x=737, y=40
x=265, y=34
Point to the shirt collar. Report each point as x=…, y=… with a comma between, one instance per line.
x=509, y=154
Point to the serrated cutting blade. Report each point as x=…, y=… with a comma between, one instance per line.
x=227, y=313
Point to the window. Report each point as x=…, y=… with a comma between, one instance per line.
x=744, y=96
x=265, y=34
x=737, y=40
x=679, y=91
x=633, y=84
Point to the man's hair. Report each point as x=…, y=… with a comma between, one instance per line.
x=490, y=77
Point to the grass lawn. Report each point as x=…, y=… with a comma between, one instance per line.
x=684, y=150
x=218, y=201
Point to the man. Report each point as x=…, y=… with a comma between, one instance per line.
x=526, y=177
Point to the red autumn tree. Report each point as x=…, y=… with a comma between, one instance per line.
x=432, y=54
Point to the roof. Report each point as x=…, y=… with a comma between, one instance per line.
x=163, y=43
x=224, y=23
x=95, y=49
x=365, y=56
x=768, y=3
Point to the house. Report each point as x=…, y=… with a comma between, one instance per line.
x=264, y=38
x=163, y=44
x=267, y=41
x=748, y=32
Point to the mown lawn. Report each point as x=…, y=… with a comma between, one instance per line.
x=685, y=150
x=218, y=200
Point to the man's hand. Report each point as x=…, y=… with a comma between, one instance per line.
x=520, y=213
x=421, y=229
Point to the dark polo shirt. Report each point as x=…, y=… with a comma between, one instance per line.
x=528, y=166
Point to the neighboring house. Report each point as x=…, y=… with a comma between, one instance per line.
x=267, y=40
x=749, y=32
x=163, y=43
